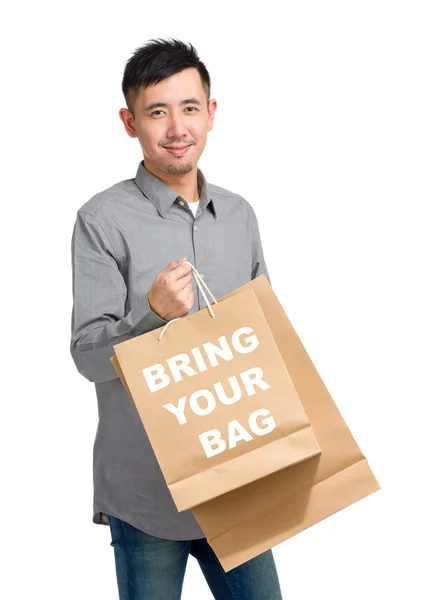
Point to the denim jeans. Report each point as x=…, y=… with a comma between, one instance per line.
x=151, y=568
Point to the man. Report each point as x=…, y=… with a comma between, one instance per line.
x=129, y=246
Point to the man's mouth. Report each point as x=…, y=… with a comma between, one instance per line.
x=177, y=150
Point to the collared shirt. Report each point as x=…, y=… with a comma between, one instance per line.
x=122, y=238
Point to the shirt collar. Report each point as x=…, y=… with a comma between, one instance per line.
x=163, y=197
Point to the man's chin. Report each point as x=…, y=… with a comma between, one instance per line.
x=180, y=169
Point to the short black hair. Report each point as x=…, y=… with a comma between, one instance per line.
x=156, y=60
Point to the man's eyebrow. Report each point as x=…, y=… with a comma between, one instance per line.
x=160, y=104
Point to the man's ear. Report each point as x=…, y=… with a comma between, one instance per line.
x=128, y=120
x=212, y=106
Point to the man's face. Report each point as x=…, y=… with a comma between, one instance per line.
x=172, y=121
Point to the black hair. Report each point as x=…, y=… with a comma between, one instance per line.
x=156, y=60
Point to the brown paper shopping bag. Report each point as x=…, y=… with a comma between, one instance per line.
x=250, y=520
x=215, y=398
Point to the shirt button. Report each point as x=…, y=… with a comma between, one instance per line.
x=181, y=202
x=202, y=275
x=195, y=228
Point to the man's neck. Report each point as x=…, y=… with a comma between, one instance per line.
x=185, y=185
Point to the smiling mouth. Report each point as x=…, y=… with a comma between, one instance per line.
x=177, y=150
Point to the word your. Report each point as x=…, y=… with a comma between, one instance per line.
x=249, y=378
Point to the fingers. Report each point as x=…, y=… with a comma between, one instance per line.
x=180, y=270
x=175, y=270
x=175, y=263
x=185, y=299
x=185, y=280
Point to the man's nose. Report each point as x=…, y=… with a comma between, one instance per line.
x=177, y=127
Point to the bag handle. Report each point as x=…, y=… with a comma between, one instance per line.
x=200, y=281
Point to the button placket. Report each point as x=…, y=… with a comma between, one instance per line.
x=195, y=229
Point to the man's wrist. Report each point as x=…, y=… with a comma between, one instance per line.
x=153, y=311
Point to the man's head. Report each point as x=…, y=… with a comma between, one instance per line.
x=167, y=91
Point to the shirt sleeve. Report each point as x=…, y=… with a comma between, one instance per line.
x=259, y=266
x=98, y=319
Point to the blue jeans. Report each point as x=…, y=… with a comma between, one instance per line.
x=151, y=568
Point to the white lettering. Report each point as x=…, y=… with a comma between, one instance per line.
x=235, y=386
x=210, y=438
x=256, y=379
x=196, y=353
x=269, y=422
x=236, y=433
x=250, y=378
x=153, y=374
x=211, y=350
x=179, y=363
x=235, y=339
x=178, y=410
x=211, y=402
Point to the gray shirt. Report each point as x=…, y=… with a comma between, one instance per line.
x=122, y=238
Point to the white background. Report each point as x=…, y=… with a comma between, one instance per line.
x=325, y=123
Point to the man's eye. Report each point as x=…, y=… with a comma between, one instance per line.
x=156, y=111
x=194, y=108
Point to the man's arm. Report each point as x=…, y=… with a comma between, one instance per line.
x=99, y=293
x=259, y=266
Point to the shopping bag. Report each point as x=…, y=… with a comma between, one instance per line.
x=245, y=522
x=215, y=398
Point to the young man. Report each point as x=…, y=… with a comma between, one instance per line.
x=129, y=246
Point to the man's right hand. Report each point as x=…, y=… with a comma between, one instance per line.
x=171, y=294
